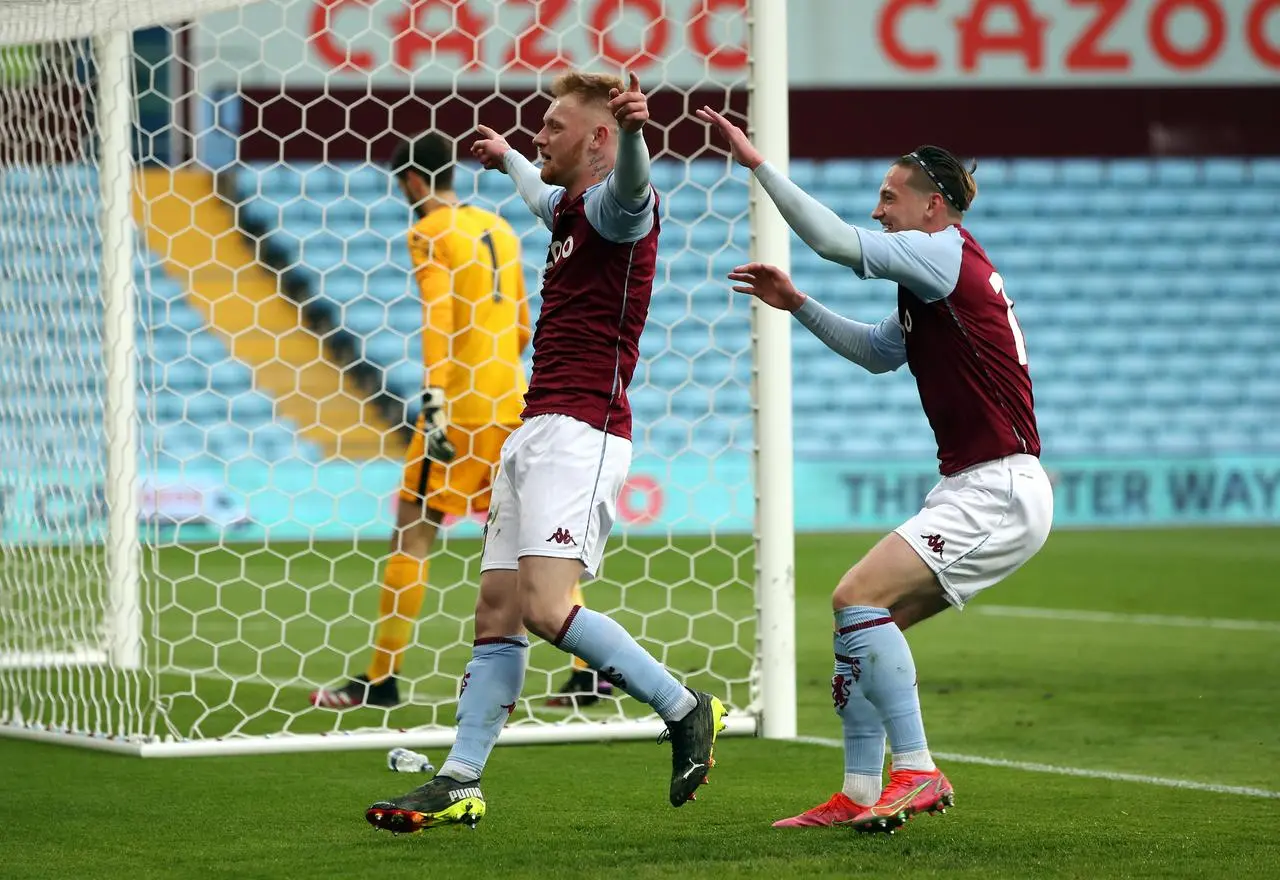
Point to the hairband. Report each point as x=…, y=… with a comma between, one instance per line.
x=946, y=194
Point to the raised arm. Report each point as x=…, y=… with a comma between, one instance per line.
x=629, y=183
x=495, y=153
x=877, y=348
x=817, y=225
x=540, y=197
x=622, y=209
x=927, y=265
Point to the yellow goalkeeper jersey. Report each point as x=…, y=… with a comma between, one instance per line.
x=475, y=312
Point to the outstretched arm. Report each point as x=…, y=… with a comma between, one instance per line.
x=495, y=153
x=622, y=209
x=540, y=197
x=927, y=265
x=816, y=224
x=877, y=348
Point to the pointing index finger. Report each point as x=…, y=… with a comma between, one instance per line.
x=715, y=117
x=635, y=82
x=487, y=131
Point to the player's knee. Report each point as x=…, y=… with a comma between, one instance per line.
x=545, y=612
x=493, y=621
x=861, y=587
x=498, y=611
x=842, y=595
x=488, y=611
x=542, y=621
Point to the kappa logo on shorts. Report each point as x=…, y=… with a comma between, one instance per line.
x=561, y=536
x=936, y=543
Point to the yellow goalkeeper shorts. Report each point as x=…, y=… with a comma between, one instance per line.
x=462, y=486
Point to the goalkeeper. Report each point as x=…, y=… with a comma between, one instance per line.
x=467, y=264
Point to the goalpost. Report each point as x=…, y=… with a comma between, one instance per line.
x=210, y=357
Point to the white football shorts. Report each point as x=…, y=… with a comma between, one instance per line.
x=980, y=525
x=556, y=493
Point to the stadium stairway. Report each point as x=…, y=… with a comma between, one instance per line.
x=194, y=232
x=1151, y=304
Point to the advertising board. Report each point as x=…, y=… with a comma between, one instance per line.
x=468, y=44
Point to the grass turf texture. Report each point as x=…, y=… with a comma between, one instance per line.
x=1165, y=701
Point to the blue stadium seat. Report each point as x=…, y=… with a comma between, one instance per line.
x=804, y=172
x=1178, y=172
x=1265, y=171
x=1129, y=281
x=1159, y=203
x=1034, y=173
x=1225, y=172
x=1082, y=173
x=839, y=174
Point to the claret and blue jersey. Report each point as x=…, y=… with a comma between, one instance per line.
x=596, y=290
x=956, y=330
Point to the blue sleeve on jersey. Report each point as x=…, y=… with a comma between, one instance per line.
x=889, y=342
x=877, y=348
x=927, y=265
x=547, y=210
x=540, y=197
x=622, y=208
x=613, y=219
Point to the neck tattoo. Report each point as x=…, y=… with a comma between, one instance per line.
x=596, y=163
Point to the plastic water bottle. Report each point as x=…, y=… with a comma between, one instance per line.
x=406, y=761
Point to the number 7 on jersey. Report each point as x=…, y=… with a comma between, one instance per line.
x=997, y=284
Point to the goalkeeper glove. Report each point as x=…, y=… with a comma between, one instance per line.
x=439, y=447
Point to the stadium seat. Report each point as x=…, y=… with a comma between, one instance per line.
x=1034, y=173
x=1225, y=172
x=1265, y=171
x=1129, y=281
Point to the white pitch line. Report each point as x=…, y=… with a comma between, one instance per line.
x=418, y=699
x=1131, y=619
x=239, y=678
x=1110, y=775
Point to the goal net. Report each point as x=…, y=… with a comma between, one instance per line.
x=211, y=345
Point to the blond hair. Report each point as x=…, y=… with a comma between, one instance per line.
x=591, y=89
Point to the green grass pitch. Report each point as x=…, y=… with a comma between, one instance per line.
x=1109, y=692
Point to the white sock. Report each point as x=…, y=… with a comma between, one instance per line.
x=458, y=772
x=863, y=790
x=918, y=760
x=681, y=707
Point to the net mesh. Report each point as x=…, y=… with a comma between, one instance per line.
x=281, y=323
x=55, y=629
